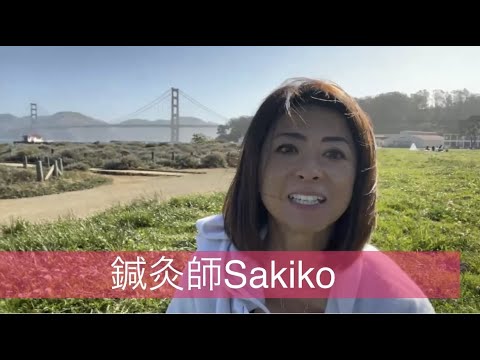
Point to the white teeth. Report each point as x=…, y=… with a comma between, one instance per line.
x=306, y=199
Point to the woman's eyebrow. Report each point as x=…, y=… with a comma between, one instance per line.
x=335, y=138
x=299, y=136
x=292, y=135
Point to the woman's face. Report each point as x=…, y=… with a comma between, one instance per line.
x=308, y=170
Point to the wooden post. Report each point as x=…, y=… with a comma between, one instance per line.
x=39, y=170
x=61, y=164
x=173, y=155
x=25, y=161
x=48, y=162
x=50, y=172
x=153, y=156
x=55, y=169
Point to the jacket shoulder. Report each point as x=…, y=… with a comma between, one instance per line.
x=211, y=235
x=211, y=226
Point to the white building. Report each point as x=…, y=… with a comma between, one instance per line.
x=380, y=139
x=457, y=141
x=421, y=139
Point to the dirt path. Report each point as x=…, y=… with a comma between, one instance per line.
x=135, y=172
x=123, y=190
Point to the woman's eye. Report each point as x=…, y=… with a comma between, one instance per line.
x=335, y=154
x=285, y=149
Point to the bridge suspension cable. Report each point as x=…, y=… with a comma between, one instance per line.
x=42, y=111
x=157, y=101
x=197, y=103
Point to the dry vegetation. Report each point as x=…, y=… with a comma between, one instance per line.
x=21, y=183
x=127, y=155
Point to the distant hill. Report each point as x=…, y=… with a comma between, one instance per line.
x=60, y=119
x=12, y=127
x=8, y=121
x=135, y=122
x=186, y=120
x=66, y=119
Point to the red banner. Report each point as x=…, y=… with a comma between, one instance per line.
x=283, y=274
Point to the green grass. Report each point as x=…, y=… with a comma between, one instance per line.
x=21, y=183
x=145, y=225
x=430, y=201
x=427, y=201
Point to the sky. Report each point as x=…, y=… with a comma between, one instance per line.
x=111, y=83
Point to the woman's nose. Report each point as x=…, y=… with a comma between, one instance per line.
x=310, y=173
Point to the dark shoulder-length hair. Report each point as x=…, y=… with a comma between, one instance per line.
x=243, y=210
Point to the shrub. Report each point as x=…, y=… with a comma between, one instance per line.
x=14, y=176
x=232, y=159
x=214, y=160
x=80, y=166
x=186, y=162
x=31, y=154
x=125, y=163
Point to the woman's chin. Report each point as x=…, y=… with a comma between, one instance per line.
x=302, y=225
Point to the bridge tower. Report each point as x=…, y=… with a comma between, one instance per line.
x=175, y=120
x=33, y=115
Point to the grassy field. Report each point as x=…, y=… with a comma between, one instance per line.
x=21, y=183
x=427, y=201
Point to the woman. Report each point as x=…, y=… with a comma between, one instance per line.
x=306, y=181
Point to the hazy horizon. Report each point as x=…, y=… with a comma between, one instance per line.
x=110, y=83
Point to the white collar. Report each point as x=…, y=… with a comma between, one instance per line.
x=334, y=305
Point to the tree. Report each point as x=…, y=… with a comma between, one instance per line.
x=199, y=139
x=471, y=130
x=390, y=112
x=421, y=100
x=222, y=130
x=235, y=129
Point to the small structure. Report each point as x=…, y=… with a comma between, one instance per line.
x=421, y=139
x=32, y=139
x=380, y=139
